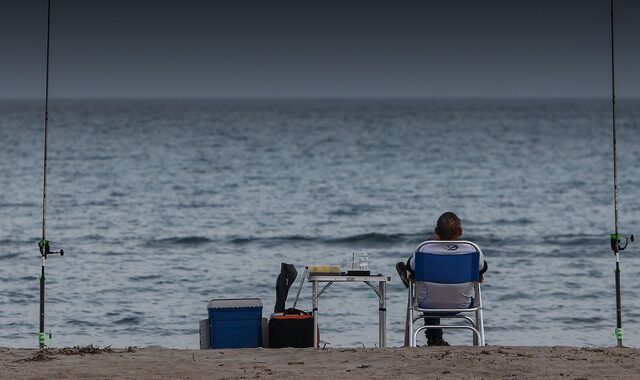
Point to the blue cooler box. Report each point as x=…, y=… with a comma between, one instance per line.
x=235, y=323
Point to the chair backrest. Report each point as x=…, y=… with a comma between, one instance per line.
x=447, y=262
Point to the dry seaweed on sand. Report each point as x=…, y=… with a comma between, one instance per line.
x=39, y=356
x=84, y=350
x=47, y=354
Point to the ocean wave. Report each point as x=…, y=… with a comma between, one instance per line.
x=514, y=296
x=496, y=245
x=184, y=240
x=377, y=239
x=144, y=278
x=354, y=209
x=271, y=241
x=575, y=240
x=128, y=321
x=115, y=253
x=19, y=204
x=566, y=245
x=9, y=242
x=79, y=322
x=370, y=239
x=366, y=240
x=518, y=221
x=572, y=320
x=8, y=256
x=92, y=237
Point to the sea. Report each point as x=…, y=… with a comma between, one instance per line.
x=164, y=204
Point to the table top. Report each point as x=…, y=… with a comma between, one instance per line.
x=347, y=278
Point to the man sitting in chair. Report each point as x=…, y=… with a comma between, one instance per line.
x=458, y=296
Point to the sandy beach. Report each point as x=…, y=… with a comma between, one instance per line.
x=434, y=362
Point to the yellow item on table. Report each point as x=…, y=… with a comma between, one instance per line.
x=324, y=269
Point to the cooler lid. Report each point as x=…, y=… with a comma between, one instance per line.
x=219, y=303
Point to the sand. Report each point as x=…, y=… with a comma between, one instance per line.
x=358, y=363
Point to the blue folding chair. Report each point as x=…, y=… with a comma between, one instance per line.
x=448, y=263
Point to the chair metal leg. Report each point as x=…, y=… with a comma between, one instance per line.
x=407, y=322
x=412, y=341
x=479, y=315
x=480, y=324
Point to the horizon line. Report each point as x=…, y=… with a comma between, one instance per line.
x=336, y=97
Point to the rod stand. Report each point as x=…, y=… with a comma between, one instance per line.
x=45, y=251
x=617, y=246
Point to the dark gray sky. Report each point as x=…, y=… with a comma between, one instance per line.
x=256, y=48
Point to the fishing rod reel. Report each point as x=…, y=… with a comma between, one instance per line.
x=45, y=249
x=616, y=241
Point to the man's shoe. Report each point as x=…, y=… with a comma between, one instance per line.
x=436, y=342
x=402, y=271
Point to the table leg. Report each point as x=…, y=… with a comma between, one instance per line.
x=382, y=318
x=315, y=314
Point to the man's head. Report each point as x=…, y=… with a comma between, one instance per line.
x=449, y=226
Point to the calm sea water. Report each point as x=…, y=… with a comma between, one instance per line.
x=163, y=205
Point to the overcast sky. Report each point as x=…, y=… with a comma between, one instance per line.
x=343, y=48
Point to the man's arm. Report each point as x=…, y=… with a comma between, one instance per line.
x=411, y=266
x=484, y=268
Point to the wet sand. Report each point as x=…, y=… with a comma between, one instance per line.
x=369, y=363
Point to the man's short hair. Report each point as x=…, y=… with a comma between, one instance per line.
x=449, y=226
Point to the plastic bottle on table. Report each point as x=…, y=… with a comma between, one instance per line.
x=363, y=259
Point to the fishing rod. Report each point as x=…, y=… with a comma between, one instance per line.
x=43, y=244
x=616, y=238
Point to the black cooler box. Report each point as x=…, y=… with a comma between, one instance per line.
x=292, y=329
